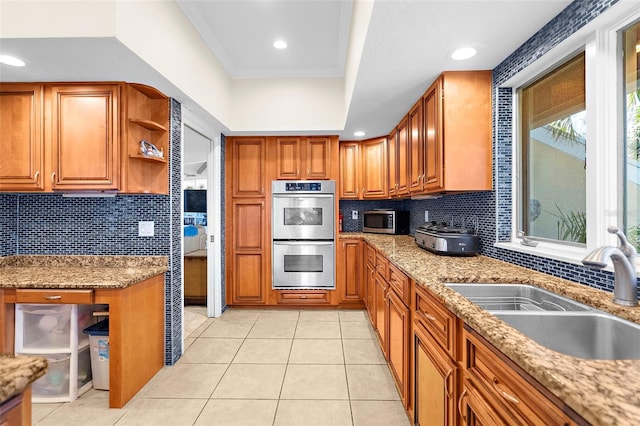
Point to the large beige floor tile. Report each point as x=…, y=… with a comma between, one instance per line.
x=279, y=315
x=313, y=413
x=264, y=351
x=357, y=330
x=251, y=381
x=240, y=314
x=353, y=315
x=316, y=351
x=362, y=351
x=202, y=327
x=238, y=412
x=318, y=330
x=379, y=413
x=186, y=381
x=315, y=382
x=371, y=382
x=208, y=350
x=40, y=411
x=319, y=316
x=225, y=328
x=152, y=412
x=194, y=317
x=273, y=329
x=82, y=412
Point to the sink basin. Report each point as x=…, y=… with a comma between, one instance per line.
x=591, y=335
x=516, y=297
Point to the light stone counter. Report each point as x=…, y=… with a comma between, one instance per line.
x=17, y=372
x=603, y=392
x=78, y=272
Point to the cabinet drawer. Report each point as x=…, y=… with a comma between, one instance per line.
x=52, y=296
x=303, y=297
x=371, y=255
x=382, y=266
x=504, y=383
x=435, y=319
x=400, y=284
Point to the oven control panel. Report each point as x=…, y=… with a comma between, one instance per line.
x=303, y=186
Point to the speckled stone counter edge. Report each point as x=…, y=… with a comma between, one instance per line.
x=17, y=372
x=603, y=392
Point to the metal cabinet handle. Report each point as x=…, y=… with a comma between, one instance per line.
x=446, y=383
x=53, y=179
x=35, y=176
x=503, y=393
x=53, y=297
x=462, y=396
x=427, y=316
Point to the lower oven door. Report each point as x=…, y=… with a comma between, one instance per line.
x=303, y=264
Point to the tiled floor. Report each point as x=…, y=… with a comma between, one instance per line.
x=258, y=367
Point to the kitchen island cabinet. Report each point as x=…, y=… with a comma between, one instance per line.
x=132, y=287
x=17, y=373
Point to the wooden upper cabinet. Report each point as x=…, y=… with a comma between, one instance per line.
x=248, y=166
x=402, y=159
x=349, y=170
x=21, y=138
x=303, y=157
x=432, y=137
x=392, y=156
x=84, y=136
x=374, y=168
x=416, y=148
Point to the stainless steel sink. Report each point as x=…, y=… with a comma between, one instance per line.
x=516, y=297
x=591, y=335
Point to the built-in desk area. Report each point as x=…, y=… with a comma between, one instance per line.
x=132, y=286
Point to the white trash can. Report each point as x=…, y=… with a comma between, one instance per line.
x=99, y=343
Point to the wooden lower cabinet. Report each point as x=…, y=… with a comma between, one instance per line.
x=399, y=343
x=435, y=382
x=370, y=292
x=195, y=280
x=381, y=312
x=349, y=272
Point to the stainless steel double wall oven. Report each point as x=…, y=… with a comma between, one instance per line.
x=303, y=234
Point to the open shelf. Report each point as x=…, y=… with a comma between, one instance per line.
x=147, y=158
x=148, y=124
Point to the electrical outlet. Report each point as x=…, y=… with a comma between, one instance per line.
x=426, y=215
x=354, y=214
x=145, y=228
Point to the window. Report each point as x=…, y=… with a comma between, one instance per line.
x=631, y=124
x=553, y=136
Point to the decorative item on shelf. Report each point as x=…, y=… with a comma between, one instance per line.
x=150, y=150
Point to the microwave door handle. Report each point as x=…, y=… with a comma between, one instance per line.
x=303, y=243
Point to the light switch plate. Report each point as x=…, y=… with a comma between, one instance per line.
x=426, y=215
x=146, y=228
x=354, y=214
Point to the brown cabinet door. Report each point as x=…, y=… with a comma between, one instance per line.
x=392, y=153
x=195, y=280
x=248, y=174
x=84, y=136
x=370, y=292
x=288, y=158
x=318, y=158
x=416, y=147
x=350, y=271
x=349, y=168
x=402, y=160
x=399, y=344
x=374, y=168
x=435, y=384
x=21, y=141
x=381, y=313
x=248, y=273
x=432, y=104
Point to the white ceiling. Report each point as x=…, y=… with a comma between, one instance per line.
x=406, y=47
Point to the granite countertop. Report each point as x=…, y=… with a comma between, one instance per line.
x=603, y=392
x=17, y=372
x=78, y=272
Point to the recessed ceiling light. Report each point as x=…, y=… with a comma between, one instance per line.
x=11, y=60
x=463, y=53
x=359, y=133
x=280, y=44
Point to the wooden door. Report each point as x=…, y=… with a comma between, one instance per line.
x=381, y=313
x=84, y=135
x=248, y=274
x=374, y=168
x=350, y=271
x=399, y=344
x=416, y=146
x=289, y=158
x=248, y=166
x=318, y=157
x=349, y=168
x=435, y=384
x=21, y=139
x=392, y=154
x=402, y=160
x=433, y=137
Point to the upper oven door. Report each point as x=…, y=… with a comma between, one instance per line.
x=303, y=217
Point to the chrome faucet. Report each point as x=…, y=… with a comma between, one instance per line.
x=625, y=290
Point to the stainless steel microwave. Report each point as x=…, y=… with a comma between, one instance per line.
x=386, y=221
